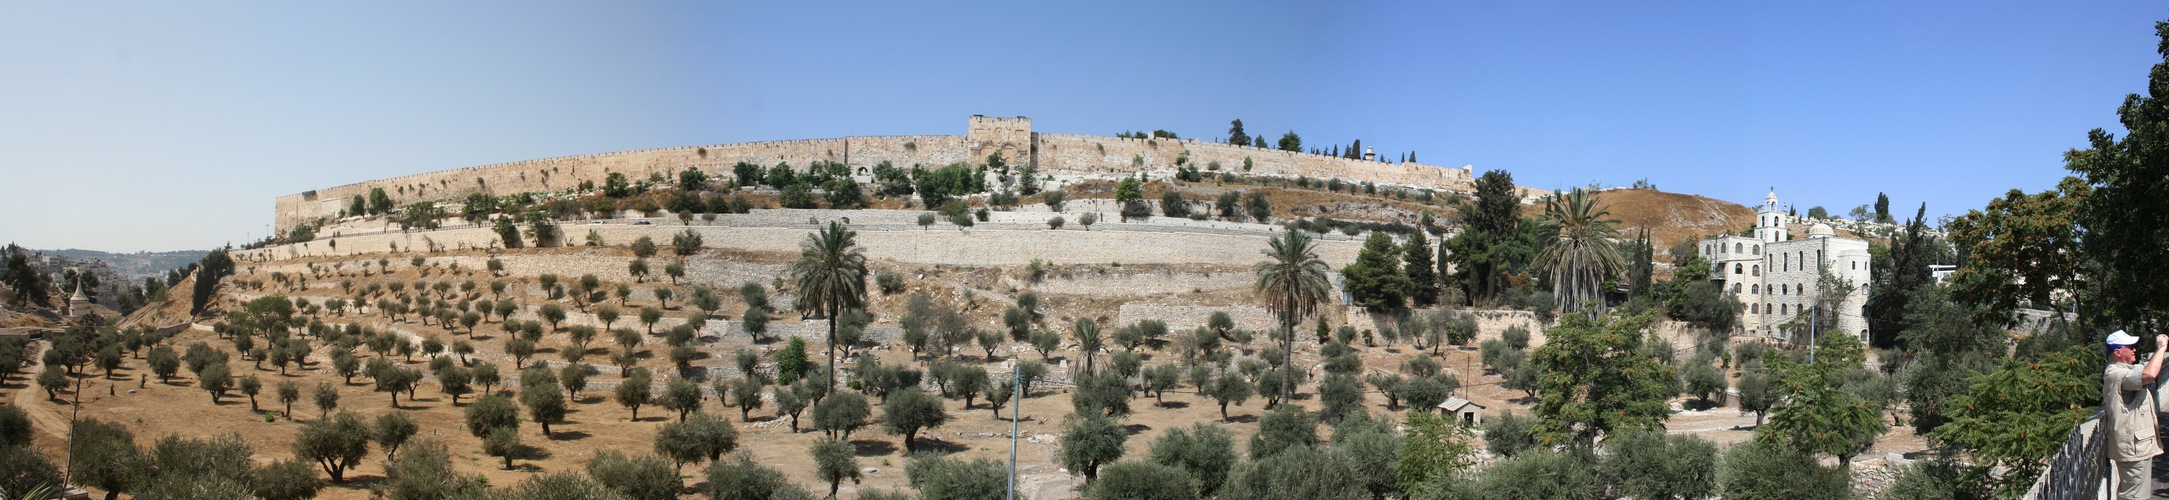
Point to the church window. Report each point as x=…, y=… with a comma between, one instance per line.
x=1757, y=270
x=1735, y=268
x=1758, y=249
x=1735, y=248
x=1754, y=289
x=1784, y=308
x=1754, y=308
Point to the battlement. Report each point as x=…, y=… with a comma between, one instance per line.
x=993, y=125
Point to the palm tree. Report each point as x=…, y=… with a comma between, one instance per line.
x=1292, y=280
x=831, y=278
x=1583, y=253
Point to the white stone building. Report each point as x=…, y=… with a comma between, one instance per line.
x=1778, y=278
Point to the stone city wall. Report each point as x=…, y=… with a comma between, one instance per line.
x=1115, y=155
x=1054, y=154
x=562, y=173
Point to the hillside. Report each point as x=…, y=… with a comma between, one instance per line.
x=135, y=266
x=1673, y=217
x=394, y=287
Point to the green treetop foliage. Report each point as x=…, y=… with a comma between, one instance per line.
x=1141, y=480
x=1205, y=451
x=28, y=284
x=1596, y=378
x=1813, y=412
x=1953, y=349
x=1089, y=440
x=1901, y=276
x=2122, y=215
x=420, y=215
x=1579, y=254
x=1291, y=142
x=507, y=232
x=1487, y=250
x=2020, y=250
x=1882, y=208
x=1422, y=272
x=616, y=185
x=1761, y=470
x=2019, y=415
x=215, y=266
x=336, y=443
x=692, y=179
x=1236, y=135
x=936, y=476
x=379, y=202
x=950, y=181
x=1375, y=278
x=1435, y=450
x=747, y=174
x=1130, y=189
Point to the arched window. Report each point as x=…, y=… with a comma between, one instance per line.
x=1758, y=249
x=1784, y=308
x=1735, y=288
x=1787, y=260
x=1754, y=308
x=1735, y=248
x=1754, y=289
x=1735, y=268
x=1757, y=270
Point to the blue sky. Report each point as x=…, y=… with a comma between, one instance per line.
x=132, y=126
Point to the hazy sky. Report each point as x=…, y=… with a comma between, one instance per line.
x=172, y=125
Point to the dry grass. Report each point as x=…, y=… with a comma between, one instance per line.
x=981, y=292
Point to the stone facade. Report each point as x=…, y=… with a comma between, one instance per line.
x=1779, y=278
x=1075, y=156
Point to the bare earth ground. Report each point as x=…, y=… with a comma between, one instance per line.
x=597, y=424
x=1106, y=291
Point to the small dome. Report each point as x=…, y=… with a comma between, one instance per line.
x=1821, y=230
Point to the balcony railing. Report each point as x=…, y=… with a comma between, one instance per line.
x=2080, y=467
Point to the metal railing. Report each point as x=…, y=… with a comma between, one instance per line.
x=2080, y=467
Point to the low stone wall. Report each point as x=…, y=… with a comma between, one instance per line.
x=1179, y=241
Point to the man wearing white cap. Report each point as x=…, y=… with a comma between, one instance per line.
x=2127, y=408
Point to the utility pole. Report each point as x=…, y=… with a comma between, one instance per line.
x=1016, y=404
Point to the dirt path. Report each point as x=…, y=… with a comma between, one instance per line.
x=44, y=414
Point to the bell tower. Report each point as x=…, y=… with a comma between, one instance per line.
x=1770, y=220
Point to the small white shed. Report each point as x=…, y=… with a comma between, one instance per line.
x=1467, y=411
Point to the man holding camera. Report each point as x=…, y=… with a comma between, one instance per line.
x=2127, y=409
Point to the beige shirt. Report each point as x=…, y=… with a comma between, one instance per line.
x=2127, y=408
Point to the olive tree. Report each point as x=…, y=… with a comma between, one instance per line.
x=910, y=410
x=1089, y=440
x=335, y=444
